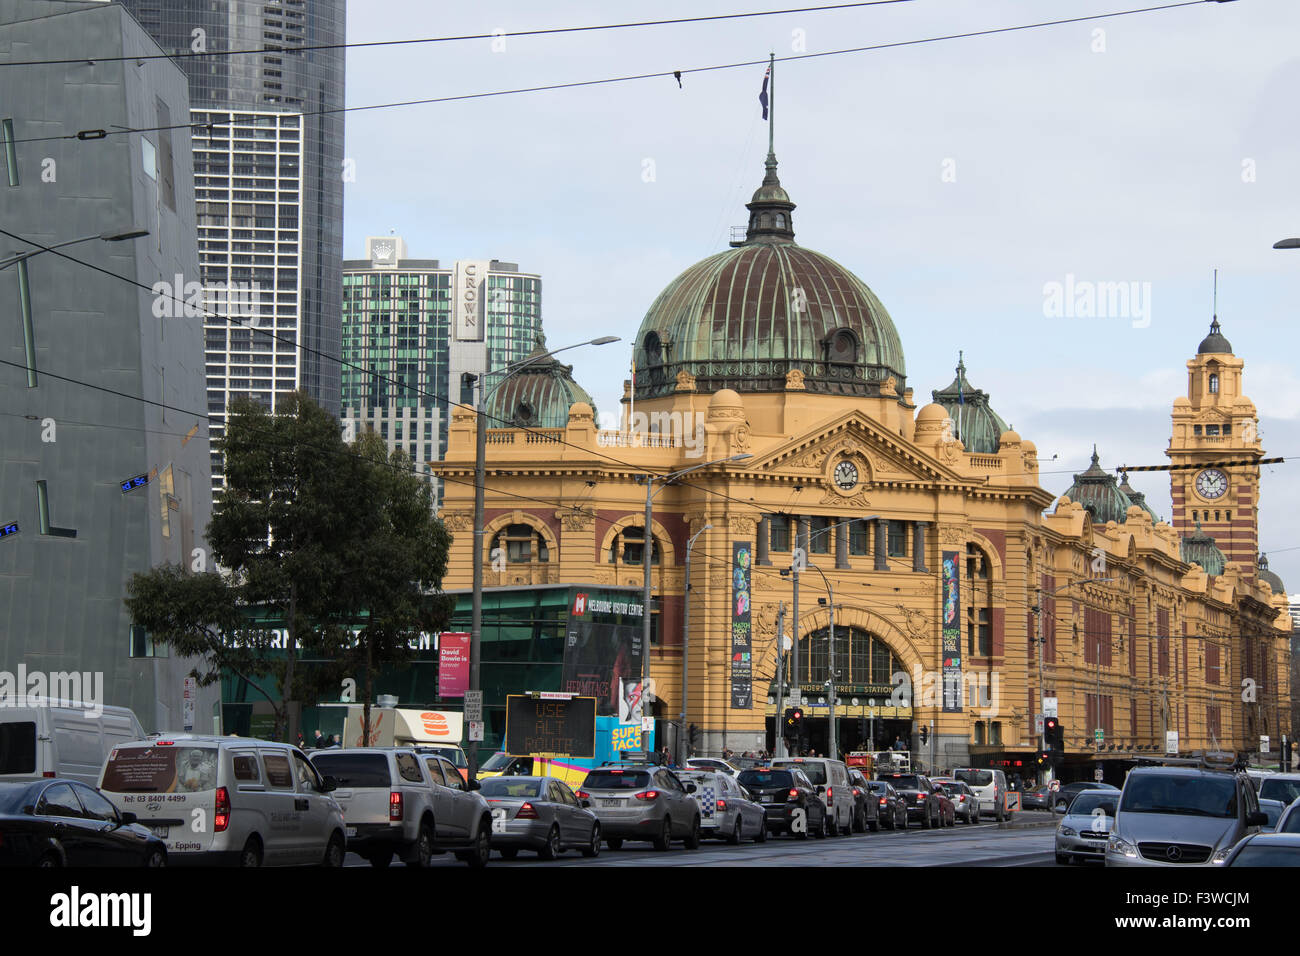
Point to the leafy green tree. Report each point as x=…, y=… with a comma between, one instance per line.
x=304, y=525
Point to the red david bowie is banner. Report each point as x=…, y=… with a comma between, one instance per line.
x=453, y=663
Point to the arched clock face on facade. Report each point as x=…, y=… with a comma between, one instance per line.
x=1211, y=483
x=846, y=475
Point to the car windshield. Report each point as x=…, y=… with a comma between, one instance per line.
x=976, y=778
x=1087, y=804
x=617, y=780
x=1197, y=796
x=1254, y=855
x=1291, y=824
x=353, y=770
x=511, y=787
x=907, y=782
x=815, y=772
x=498, y=761
x=1275, y=789
x=766, y=779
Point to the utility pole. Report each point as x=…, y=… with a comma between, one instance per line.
x=778, y=744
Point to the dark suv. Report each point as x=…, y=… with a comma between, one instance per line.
x=924, y=803
x=789, y=800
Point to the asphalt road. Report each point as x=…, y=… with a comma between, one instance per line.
x=985, y=844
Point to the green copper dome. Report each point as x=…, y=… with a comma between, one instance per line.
x=743, y=318
x=1266, y=575
x=1199, y=548
x=1099, y=494
x=537, y=395
x=974, y=423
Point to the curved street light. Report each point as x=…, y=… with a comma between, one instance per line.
x=480, y=477
x=105, y=236
x=683, y=744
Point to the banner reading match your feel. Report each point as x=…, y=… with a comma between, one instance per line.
x=742, y=678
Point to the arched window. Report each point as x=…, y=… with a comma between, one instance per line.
x=1214, y=384
x=979, y=603
x=780, y=220
x=628, y=547
x=860, y=657
x=522, y=544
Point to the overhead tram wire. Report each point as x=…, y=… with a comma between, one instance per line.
x=545, y=31
x=95, y=134
x=639, y=469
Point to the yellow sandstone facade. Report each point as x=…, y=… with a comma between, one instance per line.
x=772, y=351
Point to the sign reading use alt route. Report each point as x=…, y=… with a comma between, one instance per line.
x=551, y=726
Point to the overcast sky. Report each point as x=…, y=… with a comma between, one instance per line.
x=956, y=178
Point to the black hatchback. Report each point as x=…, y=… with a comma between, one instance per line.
x=54, y=822
x=789, y=800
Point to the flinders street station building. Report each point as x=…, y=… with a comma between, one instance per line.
x=771, y=382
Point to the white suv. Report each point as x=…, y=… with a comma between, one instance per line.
x=398, y=801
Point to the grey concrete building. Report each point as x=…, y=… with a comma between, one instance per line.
x=102, y=378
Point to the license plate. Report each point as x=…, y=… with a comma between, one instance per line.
x=350, y=831
x=161, y=832
x=611, y=803
x=768, y=799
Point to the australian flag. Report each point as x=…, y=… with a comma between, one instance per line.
x=762, y=96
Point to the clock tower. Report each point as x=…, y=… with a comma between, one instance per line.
x=1213, y=424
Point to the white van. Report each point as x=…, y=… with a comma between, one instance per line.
x=990, y=788
x=234, y=800
x=40, y=738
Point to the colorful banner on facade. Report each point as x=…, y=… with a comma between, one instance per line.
x=453, y=664
x=742, y=644
x=951, y=630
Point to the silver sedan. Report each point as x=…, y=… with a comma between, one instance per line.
x=726, y=809
x=1086, y=826
x=540, y=814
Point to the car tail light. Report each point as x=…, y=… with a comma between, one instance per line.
x=49, y=773
x=882, y=801
x=395, y=805
x=526, y=812
x=583, y=795
x=722, y=804
x=921, y=796
x=857, y=792
x=647, y=795
x=794, y=793
x=961, y=798
x=221, y=818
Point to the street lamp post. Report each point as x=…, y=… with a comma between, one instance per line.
x=793, y=572
x=647, y=552
x=480, y=477
x=682, y=743
x=106, y=236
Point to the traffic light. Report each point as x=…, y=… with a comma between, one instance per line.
x=694, y=734
x=789, y=723
x=1054, y=734
x=925, y=735
x=1044, y=758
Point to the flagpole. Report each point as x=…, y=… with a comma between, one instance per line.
x=771, y=104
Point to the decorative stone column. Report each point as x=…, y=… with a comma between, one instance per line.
x=918, y=547
x=882, y=544
x=842, y=547
x=764, y=536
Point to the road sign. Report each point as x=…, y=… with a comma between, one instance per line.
x=536, y=727
x=647, y=724
x=1263, y=745
x=1038, y=724
x=187, y=709
x=190, y=685
x=1171, y=741
x=1097, y=775
x=1054, y=786
x=1098, y=735
x=476, y=730
x=795, y=698
x=1049, y=707
x=474, y=706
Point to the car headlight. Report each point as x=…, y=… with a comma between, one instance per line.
x=1122, y=847
x=1067, y=831
x=1220, y=855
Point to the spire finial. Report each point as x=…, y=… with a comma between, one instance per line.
x=1214, y=322
x=771, y=107
x=1095, y=458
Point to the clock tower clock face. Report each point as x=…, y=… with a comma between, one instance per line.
x=846, y=475
x=1211, y=483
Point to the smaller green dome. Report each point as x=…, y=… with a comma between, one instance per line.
x=974, y=423
x=536, y=395
x=1266, y=575
x=1199, y=548
x=1138, y=498
x=1100, y=495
